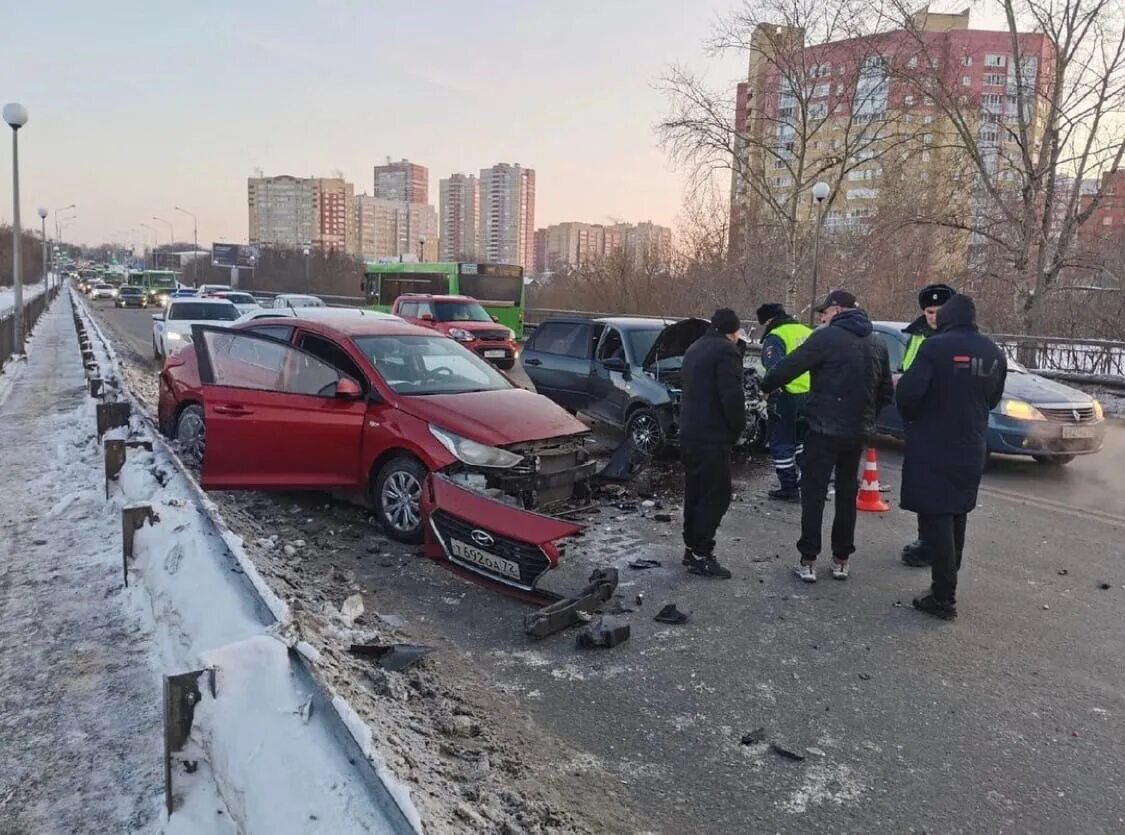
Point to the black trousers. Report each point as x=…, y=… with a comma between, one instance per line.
x=787, y=436
x=823, y=455
x=707, y=493
x=946, y=537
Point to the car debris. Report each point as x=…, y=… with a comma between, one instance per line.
x=568, y=611
x=640, y=565
x=604, y=633
x=670, y=614
x=393, y=657
x=662, y=517
x=755, y=737
x=625, y=464
x=790, y=752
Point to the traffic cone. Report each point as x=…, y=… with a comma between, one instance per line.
x=869, y=498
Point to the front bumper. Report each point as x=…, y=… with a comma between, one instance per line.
x=1009, y=436
x=495, y=352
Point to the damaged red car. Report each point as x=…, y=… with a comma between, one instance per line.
x=376, y=406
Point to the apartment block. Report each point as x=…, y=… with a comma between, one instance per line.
x=295, y=212
x=403, y=180
x=332, y=204
x=390, y=229
x=507, y=215
x=459, y=208
x=573, y=243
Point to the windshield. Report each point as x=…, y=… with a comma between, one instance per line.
x=196, y=312
x=460, y=312
x=641, y=342
x=303, y=301
x=418, y=365
x=130, y=291
x=161, y=282
x=239, y=298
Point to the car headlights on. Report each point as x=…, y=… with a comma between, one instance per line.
x=474, y=454
x=172, y=336
x=461, y=335
x=1099, y=412
x=1019, y=409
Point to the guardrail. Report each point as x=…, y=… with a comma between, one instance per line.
x=32, y=310
x=1086, y=357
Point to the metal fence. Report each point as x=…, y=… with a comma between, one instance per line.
x=32, y=310
x=1086, y=357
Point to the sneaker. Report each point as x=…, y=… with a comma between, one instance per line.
x=786, y=494
x=918, y=554
x=690, y=559
x=839, y=569
x=709, y=567
x=932, y=606
x=806, y=571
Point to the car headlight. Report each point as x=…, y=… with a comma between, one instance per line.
x=1099, y=412
x=172, y=336
x=1020, y=410
x=474, y=454
x=461, y=335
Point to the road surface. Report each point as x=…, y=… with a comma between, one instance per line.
x=1010, y=719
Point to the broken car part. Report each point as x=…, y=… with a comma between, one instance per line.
x=394, y=657
x=604, y=633
x=569, y=611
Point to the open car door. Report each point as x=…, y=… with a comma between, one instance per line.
x=276, y=417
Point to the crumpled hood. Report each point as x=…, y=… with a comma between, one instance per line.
x=959, y=312
x=854, y=321
x=675, y=339
x=496, y=418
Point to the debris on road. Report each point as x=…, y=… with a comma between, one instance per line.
x=755, y=737
x=640, y=565
x=865, y=676
x=662, y=517
x=1063, y=572
x=788, y=751
x=392, y=656
x=352, y=608
x=567, y=611
x=670, y=614
x=625, y=464
x=604, y=633
x=1105, y=586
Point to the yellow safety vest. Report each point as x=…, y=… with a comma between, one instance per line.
x=793, y=334
x=912, y=349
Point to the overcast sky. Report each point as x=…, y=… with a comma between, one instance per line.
x=137, y=107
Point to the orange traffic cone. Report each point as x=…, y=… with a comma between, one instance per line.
x=869, y=498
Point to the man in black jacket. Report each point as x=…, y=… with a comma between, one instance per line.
x=851, y=382
x=945, y=397
x=712, y=418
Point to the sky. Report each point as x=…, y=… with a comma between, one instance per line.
x=138, y=107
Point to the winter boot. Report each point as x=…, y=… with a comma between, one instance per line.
x=709, y=567
x=918, y=554
x=932, y=606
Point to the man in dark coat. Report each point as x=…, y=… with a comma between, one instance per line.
x=851, y=382
x=930, y=300
x=712, y=419
x=945, y=397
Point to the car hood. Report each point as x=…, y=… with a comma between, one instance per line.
x=675, y=339
x=1038, y=390
x=496, y=418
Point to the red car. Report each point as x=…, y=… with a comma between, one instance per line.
x=463, y=319
x=374, y=406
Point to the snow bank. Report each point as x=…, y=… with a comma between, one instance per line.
x=8, y=296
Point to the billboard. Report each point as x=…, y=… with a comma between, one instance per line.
x=233, y=255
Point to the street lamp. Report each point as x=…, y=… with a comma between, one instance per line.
x=59, y=212
x=306, y=268
x=16, y=117
x=171, y=238
x=194, y=234
x=43, y=235
x=820, y=192
x=154, y=243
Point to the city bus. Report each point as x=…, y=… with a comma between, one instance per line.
x=158, y=285
x=498, y=287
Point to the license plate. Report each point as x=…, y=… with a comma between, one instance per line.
x=491, y=562
x=1073, y=432
x=494, y=355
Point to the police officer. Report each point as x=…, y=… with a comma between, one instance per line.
x=930, y=300
x=956, y=379
x=712, y=419
x=782, y=336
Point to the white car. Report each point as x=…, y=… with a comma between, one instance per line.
x=102, y=291
x=296, y=300
x=210, y=289
x=171, y=329
x=243, y=301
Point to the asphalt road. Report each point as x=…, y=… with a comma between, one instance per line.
x=1011, y=719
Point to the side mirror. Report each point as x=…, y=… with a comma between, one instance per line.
x=615, y=364
x=348, y=389
x=158, y=317
x=495, y=318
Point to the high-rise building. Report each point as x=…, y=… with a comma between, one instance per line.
x=390, y=229
x=402, y=180
x=295, y=212
x=507, y=215
x=573, y=243
x=648, y=242
x=459, y=204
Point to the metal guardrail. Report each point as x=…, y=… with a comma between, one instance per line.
x=1086, y=357
x=32, y=310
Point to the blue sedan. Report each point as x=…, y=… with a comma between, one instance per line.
x=1049, y=421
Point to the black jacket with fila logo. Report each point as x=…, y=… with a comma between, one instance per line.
x=945, y=397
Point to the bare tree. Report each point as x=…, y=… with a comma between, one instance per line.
x=814, y=108
x=1034, y=142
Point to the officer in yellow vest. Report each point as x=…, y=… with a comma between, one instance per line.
x=782, y=336
x=930, y=299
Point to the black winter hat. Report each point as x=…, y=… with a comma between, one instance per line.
x=935, y=295
x=726, y=321
x=770, y=311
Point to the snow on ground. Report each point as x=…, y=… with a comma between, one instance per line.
x=8, y=296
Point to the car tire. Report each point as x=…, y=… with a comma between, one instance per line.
x=191, y=434
x=156, y=350
x=645, y=432
x=396, y=493
x=506, y=365
x=1055, y=460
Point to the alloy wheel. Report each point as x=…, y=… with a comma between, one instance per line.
x=645, y=433
x=191, y=435
x=401, y=501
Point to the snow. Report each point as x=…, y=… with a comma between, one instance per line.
x=8, y=296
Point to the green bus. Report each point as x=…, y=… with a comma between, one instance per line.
x=498, y=287
x=157, y=284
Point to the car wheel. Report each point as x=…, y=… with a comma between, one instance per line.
x=397, y=496
x=643, y=429
x=1055, y=460
x=191, y=435
x=155, y=350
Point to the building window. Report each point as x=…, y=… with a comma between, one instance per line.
x=996, y=60
x=925, y=156
x=967, y=61
x=1107, y=221
x=994, y=80
x=966, y=81
x=913, y=62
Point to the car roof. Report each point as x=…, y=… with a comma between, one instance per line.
x=358, y=326
x=327, y=314
x=296, y=296
x=198, y=300
x=441, y=297
x=626, y=323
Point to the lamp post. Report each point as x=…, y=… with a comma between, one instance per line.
x=43, y=235
x=820, y=193
x=194, y=234
x=59, y=212
x=16, y=117
x=171, y=238
x=306, y=268
x=154, y=243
